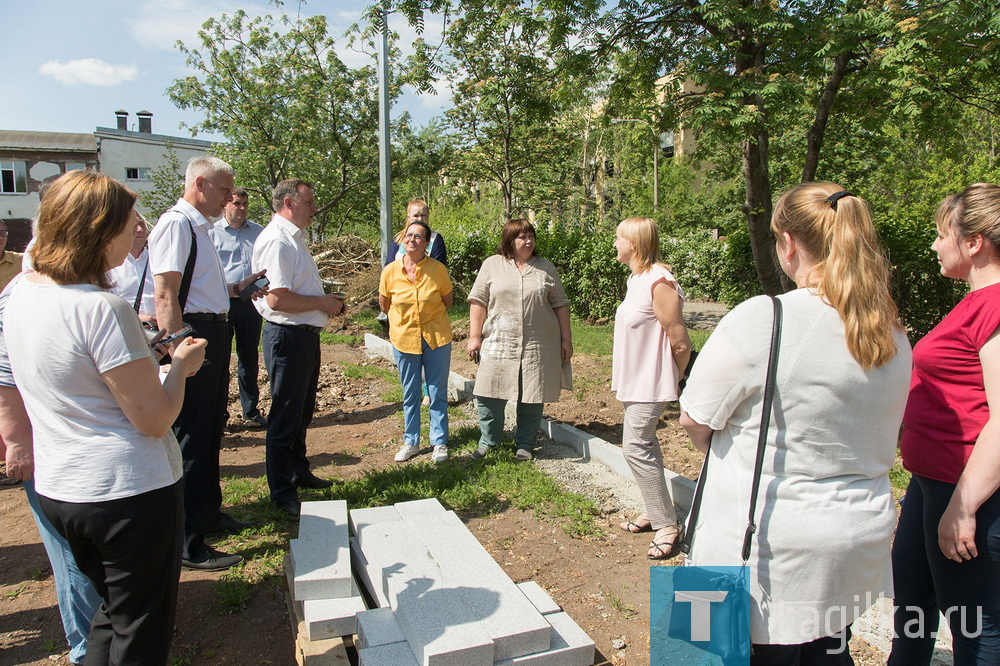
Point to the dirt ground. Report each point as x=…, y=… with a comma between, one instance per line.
x=601, y=581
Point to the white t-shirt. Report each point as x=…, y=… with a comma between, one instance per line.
x=61, y=339
x=280, y=250
x=825, y=512
x=169, y=247
x=125, y=279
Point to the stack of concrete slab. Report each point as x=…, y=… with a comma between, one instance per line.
x=446, y=601
x=320, y=571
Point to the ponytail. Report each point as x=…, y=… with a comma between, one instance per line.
x=851, y=274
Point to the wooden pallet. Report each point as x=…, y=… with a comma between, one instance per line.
x=327, y=652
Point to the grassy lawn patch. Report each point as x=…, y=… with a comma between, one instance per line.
x=355, y=371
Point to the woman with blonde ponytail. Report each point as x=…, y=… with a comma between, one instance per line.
x=825, y=512
x=946, y=556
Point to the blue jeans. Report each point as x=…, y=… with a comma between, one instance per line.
x=78, y=600
x=927, y=583
x=435, y=364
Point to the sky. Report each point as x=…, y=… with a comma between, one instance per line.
x=74, y=63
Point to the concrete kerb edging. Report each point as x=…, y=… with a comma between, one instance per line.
x=588, y=446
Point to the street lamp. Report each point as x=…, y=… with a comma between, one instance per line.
x=656, y=157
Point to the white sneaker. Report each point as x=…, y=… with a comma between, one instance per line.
x=440, y=454
x=406, y=452
x=523, y=454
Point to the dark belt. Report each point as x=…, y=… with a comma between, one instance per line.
x=206, y=316
x=304, y=327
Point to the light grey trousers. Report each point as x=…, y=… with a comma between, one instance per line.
x=644, y=457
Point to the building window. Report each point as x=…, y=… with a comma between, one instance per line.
x=75, y=166
x=13, y=178
x=137, y=173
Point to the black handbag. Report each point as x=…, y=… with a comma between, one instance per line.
x=728, y=621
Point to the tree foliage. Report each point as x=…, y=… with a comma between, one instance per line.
x=289, y=107
x=168, y=185
x=757, y=67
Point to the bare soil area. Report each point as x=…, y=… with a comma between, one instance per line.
x=601, y=581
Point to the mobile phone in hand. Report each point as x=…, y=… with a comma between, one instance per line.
x=183, y=333
x=255, y=286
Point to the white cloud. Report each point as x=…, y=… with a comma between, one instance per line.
x=161, y=23
x=88, y=71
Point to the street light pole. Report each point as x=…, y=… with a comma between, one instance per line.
x=656, y=157
x=384, y=144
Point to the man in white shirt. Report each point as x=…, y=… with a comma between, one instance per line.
x=128, y=277
x=191, y=288
x=295, y=311
x=234, y=237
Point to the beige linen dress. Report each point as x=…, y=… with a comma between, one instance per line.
x=521, y=337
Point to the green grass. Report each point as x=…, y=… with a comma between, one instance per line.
x=698, y=338
x=355, y=371
x=327, y=338
x=368, y=319
x=233, y=593
x=899, y=478
x=598, y=340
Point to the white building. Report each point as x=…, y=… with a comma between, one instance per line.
x=29, y=158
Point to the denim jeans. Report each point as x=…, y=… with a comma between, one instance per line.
x=78, y=600
x=435, y=364
x=927, y=583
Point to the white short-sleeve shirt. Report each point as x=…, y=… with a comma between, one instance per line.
x=825, y=509
x=61, y=339
x=125, y=279
x=281, y=251
x=169, y=247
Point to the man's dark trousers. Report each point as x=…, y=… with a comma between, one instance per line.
x=291, y=355
x=199, y=429
x=245, y=324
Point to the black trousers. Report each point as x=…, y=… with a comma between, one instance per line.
x=292, y=358
x=199, y=429
x=130, y=548
x=244, y=324
x=928, y=584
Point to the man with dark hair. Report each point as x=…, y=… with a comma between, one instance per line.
x=296, y=309
x=234, y=237
x=191, y=288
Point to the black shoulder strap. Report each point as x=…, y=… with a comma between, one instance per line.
x=142, y=286
x=182, y=294
x=765, y=420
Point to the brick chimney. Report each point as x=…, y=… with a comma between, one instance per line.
x=145, y=122
x=122, y=117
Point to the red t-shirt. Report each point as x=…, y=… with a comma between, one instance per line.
x=947, y=406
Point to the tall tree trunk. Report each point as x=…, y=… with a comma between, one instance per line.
x=816, y=133
x=757, y=209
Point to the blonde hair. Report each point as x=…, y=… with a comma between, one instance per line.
x=82, y=212
x=974, y=210
x=852, y=272
x=645, y=239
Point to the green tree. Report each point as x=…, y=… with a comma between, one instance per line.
x=289, y=108
x=507, y=95
x=760, y=68
x=168, y=186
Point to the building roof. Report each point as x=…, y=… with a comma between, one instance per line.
x=158, y=138
x=54, y=141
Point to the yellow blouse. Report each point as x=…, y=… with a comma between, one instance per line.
x=416, y=309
